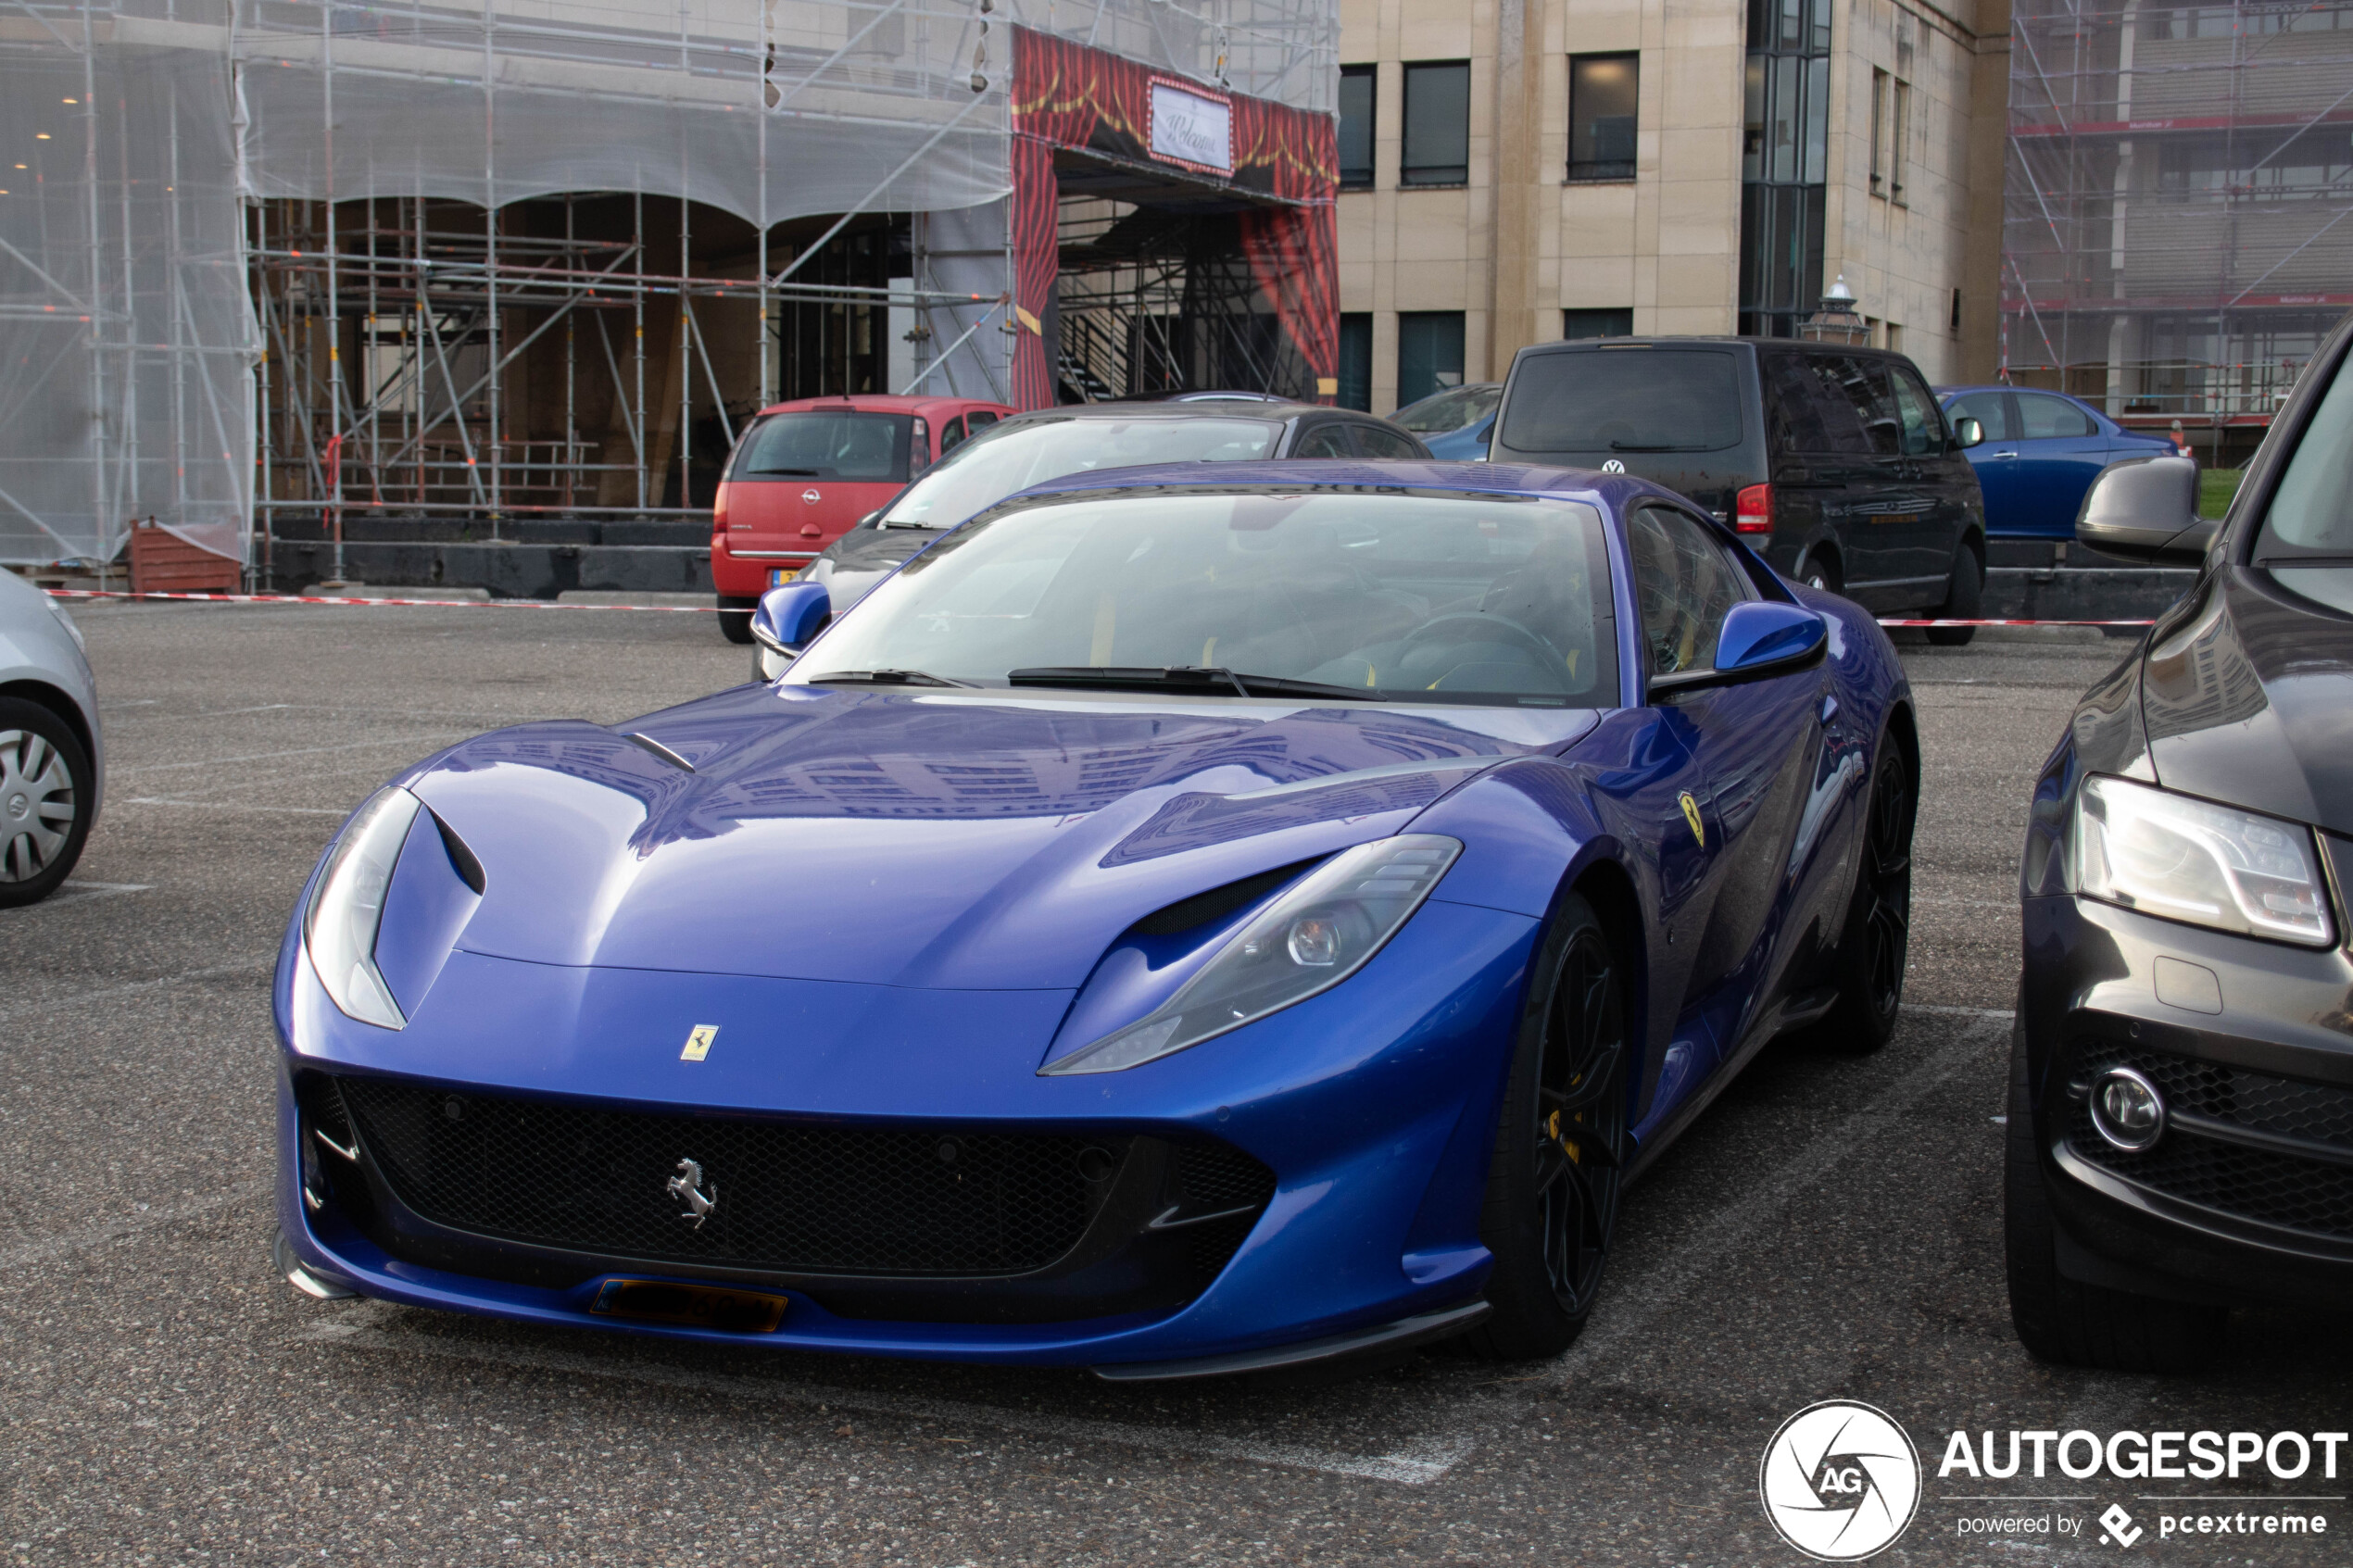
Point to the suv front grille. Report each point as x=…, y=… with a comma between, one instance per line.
x=2274, y=1186
x=790, y=1197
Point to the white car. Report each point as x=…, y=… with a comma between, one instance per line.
x=51, y=758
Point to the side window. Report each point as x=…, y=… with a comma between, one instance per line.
x=1329, y=440
x=1685, y=585
x=981, y=419
x=1872, y=398
x=1923, y=428
x=1990, y=409
x=2048, y=419
x=1378, y=443
x=1820, y=395
x=1793, y=405
x=951, y=435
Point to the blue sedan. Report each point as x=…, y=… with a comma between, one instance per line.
x=1181, y=923
x=1455, y=423
x=2041, y=452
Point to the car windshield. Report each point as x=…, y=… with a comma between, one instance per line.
x=1012, y=457
x=840, y=444
x=2311, y=512
x=1631, y=399
x=1410, y=597
x=1458, y=407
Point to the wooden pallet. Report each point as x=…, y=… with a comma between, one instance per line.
x=162, y=562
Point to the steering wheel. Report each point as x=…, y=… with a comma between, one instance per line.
x=1428, y=631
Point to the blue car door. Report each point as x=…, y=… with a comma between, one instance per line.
x=2060, y=450
x=1752, y=744
x=1994, y=460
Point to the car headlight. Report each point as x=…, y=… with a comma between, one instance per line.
x=2188, y=859
x=1306, y=942
x=339, y=929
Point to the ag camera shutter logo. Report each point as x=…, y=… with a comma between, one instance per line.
x=1839, y=1480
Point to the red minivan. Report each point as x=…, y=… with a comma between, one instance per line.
x=804, y=471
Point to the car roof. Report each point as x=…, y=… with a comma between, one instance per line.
x=886, y=403
x=1221, y=409
x=1494, y=479
x=1726, y=340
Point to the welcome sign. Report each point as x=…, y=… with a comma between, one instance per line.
x=1191, y=128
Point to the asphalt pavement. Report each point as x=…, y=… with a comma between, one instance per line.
x=1830, y=1229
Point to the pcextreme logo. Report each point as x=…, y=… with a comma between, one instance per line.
x=1839, y=1480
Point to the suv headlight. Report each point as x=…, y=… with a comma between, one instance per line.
x=2187, y=859
x=1309, y=940
x=339, y=929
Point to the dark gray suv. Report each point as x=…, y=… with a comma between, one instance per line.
x=1834, y=462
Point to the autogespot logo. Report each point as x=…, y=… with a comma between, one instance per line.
x=1839, y=1480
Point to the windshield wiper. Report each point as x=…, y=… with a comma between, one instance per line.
x=1182, y=677
x=1648, y=447
x=885, y=678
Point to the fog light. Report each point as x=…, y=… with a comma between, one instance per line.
x=2127, y=1111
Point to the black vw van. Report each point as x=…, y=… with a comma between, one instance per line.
x=1835, y=461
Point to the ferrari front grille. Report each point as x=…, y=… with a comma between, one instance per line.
x=776, y=1196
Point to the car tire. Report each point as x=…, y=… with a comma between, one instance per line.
x=1964, y=600
x=1819, y=572
x=46, y=795
x=1876, y=938
x=734, y=618
x=2065, y=1322
x=1557, y=1169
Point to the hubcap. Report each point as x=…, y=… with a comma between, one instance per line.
x=1887, y=884
x=1580, y=1122
x=38, y=804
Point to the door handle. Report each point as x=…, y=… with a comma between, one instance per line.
x=2002, y=457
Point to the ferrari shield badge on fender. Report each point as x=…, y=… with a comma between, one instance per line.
x=1691, y=815
x=698, y=1043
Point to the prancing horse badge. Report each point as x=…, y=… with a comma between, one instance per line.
x=1691, y=815
x=698, y=1043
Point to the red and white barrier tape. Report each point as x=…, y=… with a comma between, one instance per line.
x=328, y=600
x=714, y=609
x=1899, y=621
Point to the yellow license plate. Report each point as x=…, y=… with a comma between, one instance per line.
x=695, y=1306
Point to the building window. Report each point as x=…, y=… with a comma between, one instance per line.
x=1891, y=130
x=1357, y=96
x=1437, y=149
x=1596, y=323
x=1357, y=360
x=1601, y=94
x=1784, y=162
x=1429, y=353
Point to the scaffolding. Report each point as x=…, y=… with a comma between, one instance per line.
x=2176, y=233
x=501, y=259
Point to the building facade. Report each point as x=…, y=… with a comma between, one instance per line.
x=1515, y=172
x=2176, y=241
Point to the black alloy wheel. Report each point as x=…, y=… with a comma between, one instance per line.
x=734, y=618
x=1964, y=600
x=1878, y=938
x=1560, y=1149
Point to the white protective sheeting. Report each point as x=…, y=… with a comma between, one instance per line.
x=126, y=338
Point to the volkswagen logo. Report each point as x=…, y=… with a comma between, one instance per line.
x=1613, y=466
x=810, y=496
x=1839, y=1480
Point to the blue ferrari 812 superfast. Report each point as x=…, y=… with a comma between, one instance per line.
x=1187, y=919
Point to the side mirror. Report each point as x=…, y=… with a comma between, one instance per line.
x=1968, y=432
x=789, y=616
x=2146, y=510
x=1760, y=638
